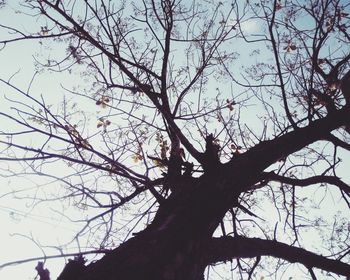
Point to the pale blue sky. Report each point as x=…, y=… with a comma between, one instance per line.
x=18, y=216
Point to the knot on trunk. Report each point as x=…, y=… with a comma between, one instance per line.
x=211, y=154
x=43, y=273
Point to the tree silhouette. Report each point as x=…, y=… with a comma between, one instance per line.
x=221, y=129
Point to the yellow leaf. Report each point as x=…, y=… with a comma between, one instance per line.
x=136, y=157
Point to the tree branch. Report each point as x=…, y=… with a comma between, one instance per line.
x=271, y=176
x=18, y=262
x=337, y=142
x=227, y=248
x=268, y=152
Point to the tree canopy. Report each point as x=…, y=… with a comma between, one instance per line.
x=195, y=139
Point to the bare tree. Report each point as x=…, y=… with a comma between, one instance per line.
x=212, y=116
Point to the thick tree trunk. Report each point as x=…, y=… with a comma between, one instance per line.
x=144, y=257
x=150, y=256
x=172, y=247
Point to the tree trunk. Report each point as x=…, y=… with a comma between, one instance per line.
x=172, y=247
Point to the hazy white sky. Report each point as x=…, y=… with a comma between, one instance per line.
x=19, y=216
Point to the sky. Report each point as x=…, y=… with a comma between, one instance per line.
x=20, y=219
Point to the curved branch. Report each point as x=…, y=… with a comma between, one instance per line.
x=268, y=152
x=271, y=176
x=227, y=248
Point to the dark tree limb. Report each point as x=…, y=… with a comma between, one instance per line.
x=227, y=248
x=337, y=142
x=268, y=152
x=271, y=176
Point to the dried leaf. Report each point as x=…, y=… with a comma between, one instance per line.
x=290, y=47
x=103, y=123
x=103, y=101
x=278, y=5
x=333, y=86
x=137, y=157
x=44, y=31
